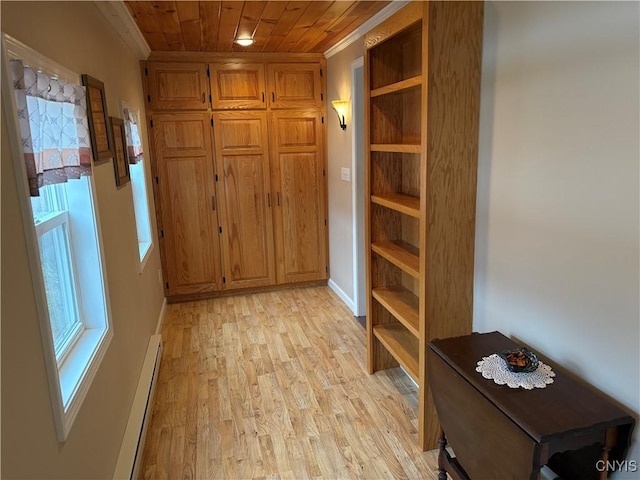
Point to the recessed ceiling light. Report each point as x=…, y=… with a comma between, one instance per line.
x=245, y=42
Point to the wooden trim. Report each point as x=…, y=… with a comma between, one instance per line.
x=231, y=57
x=406, y=17
x=377, y=19
x=242, y=291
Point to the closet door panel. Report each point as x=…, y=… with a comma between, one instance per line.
x=245, y=198
x=189, y=231
x=298, y=166
x=178, y=86
x=295, y=85
x=238, y=86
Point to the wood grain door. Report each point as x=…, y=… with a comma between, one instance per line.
x=186, y=184
x=178, y=86
x=293, y=85
x=237, y=85
x=299, y=182
x=245, y=198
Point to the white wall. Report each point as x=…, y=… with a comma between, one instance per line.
x=339, y=145
x=558, y=203
x=76, y=35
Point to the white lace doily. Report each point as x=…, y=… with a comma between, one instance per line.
x=494, y=368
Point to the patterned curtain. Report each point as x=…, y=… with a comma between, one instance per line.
x=52, y=115
x=132, y=132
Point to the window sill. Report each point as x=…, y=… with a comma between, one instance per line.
x=78, y=370
x=144, y=250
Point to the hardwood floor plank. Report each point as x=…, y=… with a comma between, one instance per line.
x=272, y=386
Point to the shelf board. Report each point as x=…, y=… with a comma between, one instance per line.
x=396, y=147
x=402, y=304
x=401, y=344
x=402, y=254
x=398, y=86
x=406, y=204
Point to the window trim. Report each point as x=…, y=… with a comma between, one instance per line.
x=145, y=247
x=65, y=411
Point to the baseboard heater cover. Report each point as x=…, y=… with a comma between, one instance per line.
x=140, y=415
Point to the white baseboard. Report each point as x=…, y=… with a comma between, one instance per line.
x=132, y=445
x=163, y=311
x=343, y=296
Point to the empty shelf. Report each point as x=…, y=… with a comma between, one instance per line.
x=406, y=204
x=402, y=254
x=398, y=86
x=402, y=304
x=401, y=345
x=396, y=147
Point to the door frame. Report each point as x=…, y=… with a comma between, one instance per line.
x=359, y=297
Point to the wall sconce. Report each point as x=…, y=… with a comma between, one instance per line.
x=341, y=107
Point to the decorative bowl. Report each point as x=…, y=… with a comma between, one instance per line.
x=520, y=360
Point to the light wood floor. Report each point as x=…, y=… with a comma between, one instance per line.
x=274, y=385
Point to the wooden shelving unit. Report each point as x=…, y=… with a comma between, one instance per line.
x=420, y=180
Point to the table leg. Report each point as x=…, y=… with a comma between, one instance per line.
x=442, y=460
x=610, y=440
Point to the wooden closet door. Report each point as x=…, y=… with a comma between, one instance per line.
x=299, y=182
x=178, y=86
x=189, y=231
x=295, y=85
x=245, y=198
x=238, y=86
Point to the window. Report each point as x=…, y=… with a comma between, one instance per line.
x=53, y=167
x=51, y=219
x=138, y=182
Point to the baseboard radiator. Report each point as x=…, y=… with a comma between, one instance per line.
x=135, y=433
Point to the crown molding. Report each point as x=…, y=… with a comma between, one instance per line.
x=378, y=18
x=121, y=20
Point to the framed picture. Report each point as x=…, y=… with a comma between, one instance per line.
x=120, y=161
x=99, y=131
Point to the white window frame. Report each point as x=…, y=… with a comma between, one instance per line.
x=70, y=376
x=47, y=223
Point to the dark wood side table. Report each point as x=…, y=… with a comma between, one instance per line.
x=499, y=432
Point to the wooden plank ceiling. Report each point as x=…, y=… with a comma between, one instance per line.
x=275, y=26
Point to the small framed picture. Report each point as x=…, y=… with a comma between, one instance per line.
x=120, y=161
x=99, y=131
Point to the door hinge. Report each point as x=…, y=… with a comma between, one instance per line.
x=149, y=98
x=220, y=229
x=320, y=72
x=326, y=269
x=151, y=123
x=146, y=71
x=166, y=285
x=224, y=280
x=321, y=96
x=325, y=222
